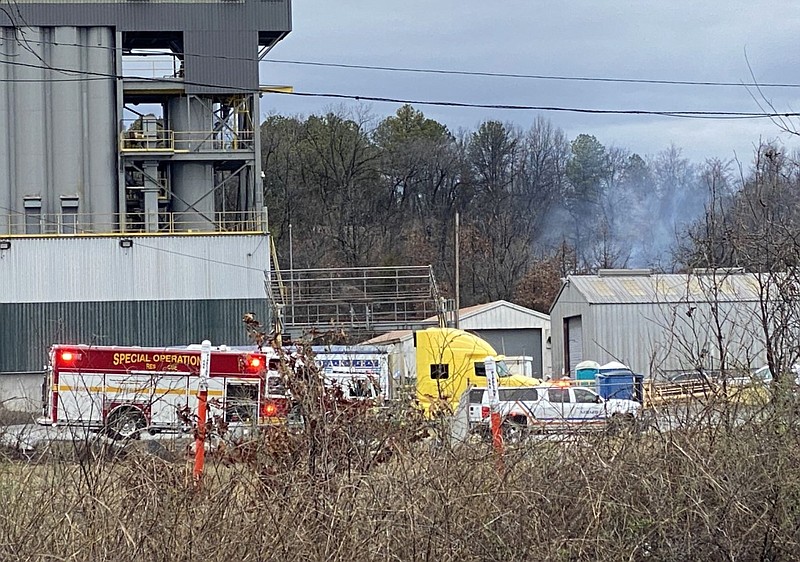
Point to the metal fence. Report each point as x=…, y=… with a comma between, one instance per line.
x=366, y=299
x=67, y=223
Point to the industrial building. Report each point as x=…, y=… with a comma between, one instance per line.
x=658, y=324
x=143, y=291
x=91, y=144
x=512, y=330
x=131, y=199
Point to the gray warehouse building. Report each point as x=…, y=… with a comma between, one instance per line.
x=131, y=202
x=658, y=324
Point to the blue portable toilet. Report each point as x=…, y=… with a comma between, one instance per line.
x=615, y=380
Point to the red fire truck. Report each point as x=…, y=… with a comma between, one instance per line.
x=124, y=390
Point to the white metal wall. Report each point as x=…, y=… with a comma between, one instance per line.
x=504, y=317
x=662, y=338
x=89, y=269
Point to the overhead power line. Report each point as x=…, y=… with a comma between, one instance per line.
x=534, y=76
x=691, y=114
x=451, y=72
x=687, y=114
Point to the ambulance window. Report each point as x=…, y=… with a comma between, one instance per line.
x=583, y=396
x=275, y=385
x=476, y=395
x=241, y=402
x=440, y=371
x=559, y=395
x=361, y=388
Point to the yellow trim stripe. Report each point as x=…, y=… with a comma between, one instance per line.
x=122, y=390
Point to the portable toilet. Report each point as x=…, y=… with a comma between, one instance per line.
x=617, y=381
x=585, y=372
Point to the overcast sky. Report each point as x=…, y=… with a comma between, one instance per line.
x=672, y=40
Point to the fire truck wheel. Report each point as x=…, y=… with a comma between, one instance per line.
x=125, y=423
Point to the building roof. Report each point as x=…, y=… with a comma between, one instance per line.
x=621, y=287
x=478, y=309
x=394, y=336
x=497, y=314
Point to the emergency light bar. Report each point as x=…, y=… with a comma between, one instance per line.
x=68, y=357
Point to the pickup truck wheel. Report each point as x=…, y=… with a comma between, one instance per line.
x=513, y=431
x=125, y=423
x=621, y=423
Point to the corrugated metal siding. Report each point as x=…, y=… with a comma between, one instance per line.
x=64, y=269
x=665, y=288
x=222, y=34
x=158, y=16
x=501, y=316
x=655, y=337
x=237, y=69
x=29, y=329
x=658, y=338
x=570, y=302
x=59, y=137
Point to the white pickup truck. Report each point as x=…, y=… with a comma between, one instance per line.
x=550, y=407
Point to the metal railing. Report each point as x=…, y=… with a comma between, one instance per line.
x=71, y=224
x=365, y=299
x=167, y=140
x=150, y=67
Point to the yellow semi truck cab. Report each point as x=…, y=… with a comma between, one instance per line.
x=449, y=361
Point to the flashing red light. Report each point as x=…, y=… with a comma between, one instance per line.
x=253, y=363
x=270, y=410
x=484, y=412
x=68, y=357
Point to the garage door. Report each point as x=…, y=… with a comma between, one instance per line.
x=574, y=339
x=517, y=342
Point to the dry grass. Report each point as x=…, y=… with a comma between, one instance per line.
x=715, y=490
x=719, y=480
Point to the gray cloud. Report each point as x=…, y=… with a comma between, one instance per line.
x=677, y=40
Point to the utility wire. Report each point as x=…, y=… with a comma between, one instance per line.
x=533, y=76
x=691, y=114
x=452, y=72
x=686, y=114
x=201, y=258
x=46, y=80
